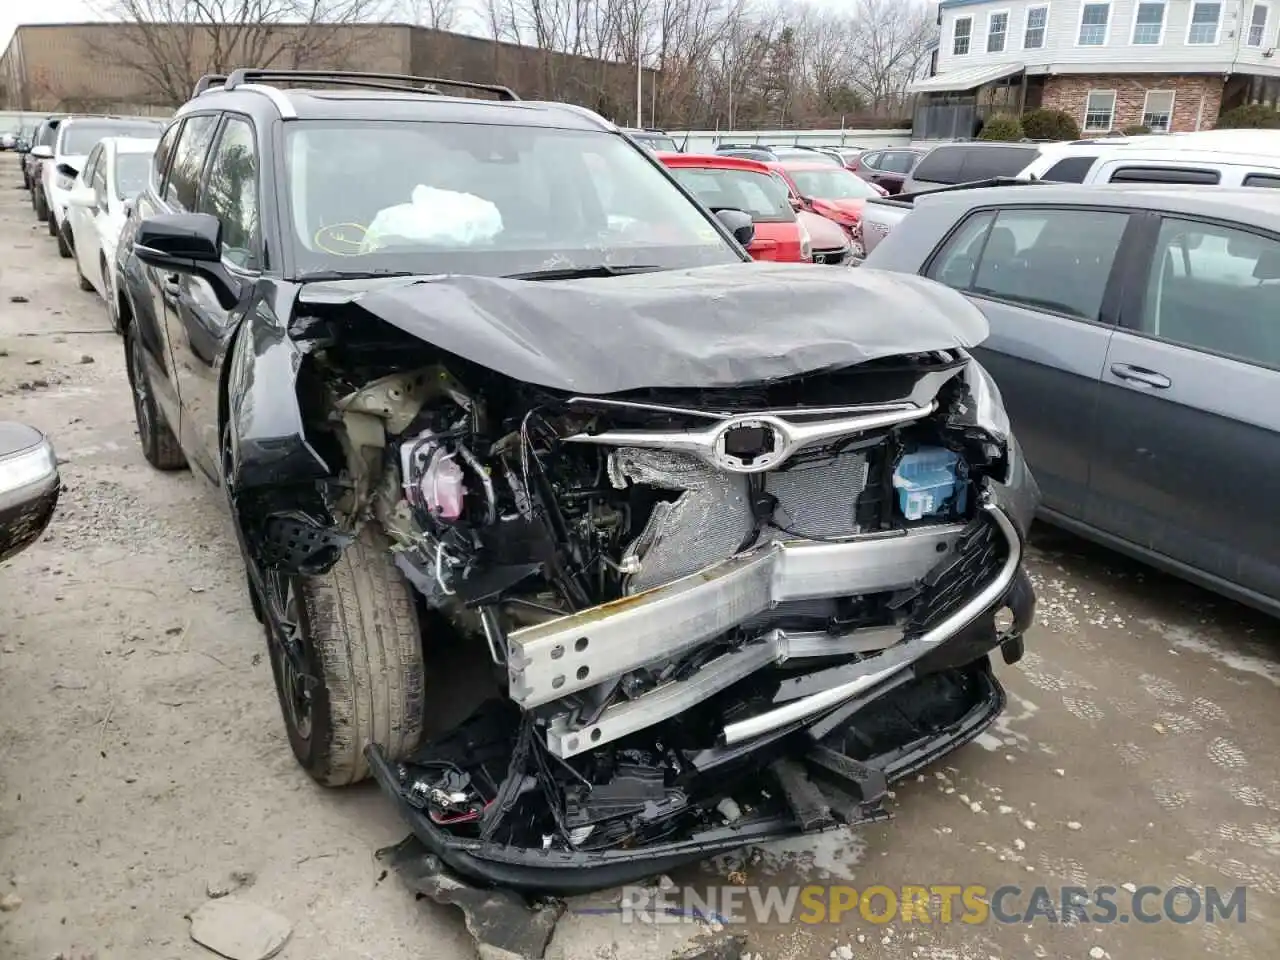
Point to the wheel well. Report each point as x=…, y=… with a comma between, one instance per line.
x=124, y=311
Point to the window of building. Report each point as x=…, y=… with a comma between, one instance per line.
x=1157, y=111
x=231, y=192
x=1099, y=110
x=1037, y=22
x=997, y=31
x=1205, y=18
x=1215, y=288
x=1057, y=260
x=188, y=161
x=1270, y=180
x=962, y=36
x=1148, y=23
x=1095, y=18
x=1258, y=24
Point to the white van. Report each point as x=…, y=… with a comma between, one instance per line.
x=1228, y=158
x=1222, y=158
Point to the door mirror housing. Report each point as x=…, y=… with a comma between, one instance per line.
x=82, y=196
x=187, y=243
x=739, y=223
x=42, y=152
x=28, y=486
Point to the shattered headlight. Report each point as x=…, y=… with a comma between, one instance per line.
x=989, y=411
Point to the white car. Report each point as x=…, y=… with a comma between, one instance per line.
x=76, y=137
x=115, y=172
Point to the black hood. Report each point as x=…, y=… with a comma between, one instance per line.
x=720, y=326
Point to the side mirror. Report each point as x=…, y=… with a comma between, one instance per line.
x=739, y=223
x=67, y=170
x=83, y=197
x=796, y=203
x=28, y=486
x=42, y=152
x=187, y=243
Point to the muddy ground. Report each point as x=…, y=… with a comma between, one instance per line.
x=142, y=756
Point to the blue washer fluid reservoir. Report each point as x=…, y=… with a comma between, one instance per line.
x=926, y=480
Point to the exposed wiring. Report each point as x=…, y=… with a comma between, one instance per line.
x=440, y=569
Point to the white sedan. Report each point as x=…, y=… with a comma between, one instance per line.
x=115, y=172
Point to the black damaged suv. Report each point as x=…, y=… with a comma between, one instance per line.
x=478, y=379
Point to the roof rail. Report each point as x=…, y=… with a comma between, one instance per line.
x=208, y=81
x=970, y=185
x=377, y=81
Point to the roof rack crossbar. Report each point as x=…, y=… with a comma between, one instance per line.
x=383, y=81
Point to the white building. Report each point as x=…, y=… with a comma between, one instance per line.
x=1111, y=64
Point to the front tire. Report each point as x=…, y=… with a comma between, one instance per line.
x=65, y=250
x=37, y=203
x=159, y=445
x=360, y=646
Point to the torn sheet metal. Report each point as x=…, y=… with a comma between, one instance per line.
x=706, y=327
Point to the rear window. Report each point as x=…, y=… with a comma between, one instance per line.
x=962, y=164
x=49, y=133
x=1262, y=180
x=1069, y=170
x=80, y=137
x=1189, y=175
x=756, y=193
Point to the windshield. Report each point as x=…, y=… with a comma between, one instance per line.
x=834, y=184
x=132, y=173
x=809, y=156
x=80, y=136
x=434, y=197
x=656, y=142
x=756, y=193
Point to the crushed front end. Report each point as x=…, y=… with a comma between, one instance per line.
x=717, y=616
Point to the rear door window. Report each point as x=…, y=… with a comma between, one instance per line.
x=1200, y=176
x=983, y=163
x=898, y=161
x=1215, y=288
x=1052, y=259
x=940, y=165
x=1069, y=170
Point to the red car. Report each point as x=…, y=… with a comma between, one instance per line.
x=723, y=182
x=831, y=191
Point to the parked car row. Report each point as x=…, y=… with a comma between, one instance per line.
x=58, y=160
x=1134, y=338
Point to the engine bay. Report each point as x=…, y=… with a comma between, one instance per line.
x=667, y=583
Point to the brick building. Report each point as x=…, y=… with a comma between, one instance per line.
x=1168, y=65
x=121, y=67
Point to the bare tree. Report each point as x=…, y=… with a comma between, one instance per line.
x=170, y=44
x=436, y=14
x=890, y=41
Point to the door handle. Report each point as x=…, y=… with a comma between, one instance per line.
x=1148, y=378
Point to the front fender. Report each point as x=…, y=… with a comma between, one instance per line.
x=269, y=445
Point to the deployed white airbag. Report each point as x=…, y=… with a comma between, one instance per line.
x=435, y=217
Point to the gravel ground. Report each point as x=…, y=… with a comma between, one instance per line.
x=142, y=756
